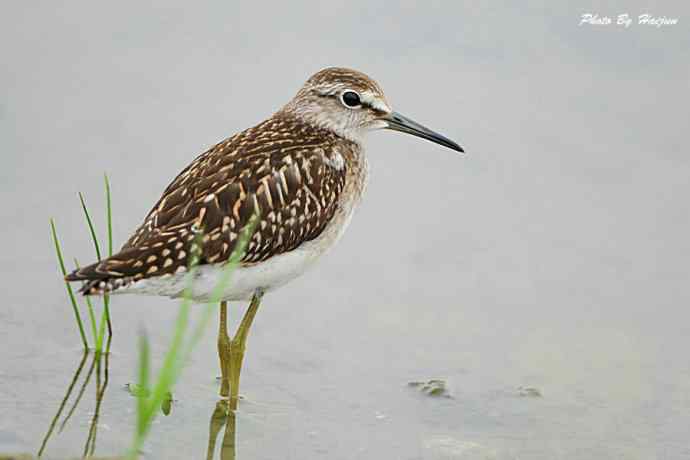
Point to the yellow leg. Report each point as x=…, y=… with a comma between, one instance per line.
x=237, y=347
x=223, y=347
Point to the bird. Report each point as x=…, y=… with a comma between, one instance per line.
x=298, y=176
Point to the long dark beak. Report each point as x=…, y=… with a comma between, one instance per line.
x=398, y=122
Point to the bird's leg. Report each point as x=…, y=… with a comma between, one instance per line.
x=223, y=351
x=237, y=346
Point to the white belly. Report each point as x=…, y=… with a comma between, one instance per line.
x=268, y=275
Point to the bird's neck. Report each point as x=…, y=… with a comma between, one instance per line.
x=313, y=116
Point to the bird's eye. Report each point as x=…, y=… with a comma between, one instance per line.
x=351, y=99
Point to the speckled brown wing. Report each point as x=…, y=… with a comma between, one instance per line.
x=289, y=174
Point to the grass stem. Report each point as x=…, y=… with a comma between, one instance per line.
x=89, y=308
x=109, y=221
x=72, y=299
x=89, y=222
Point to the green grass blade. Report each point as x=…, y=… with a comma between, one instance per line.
x=109, y=214
x=109, y=221
x=106, y=311
x=77, y=316
x=89, y=307
x=90, y=224
x=101, y=331
x=144, y=371
x=92, y=318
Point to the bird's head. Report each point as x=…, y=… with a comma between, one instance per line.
x=350, y=103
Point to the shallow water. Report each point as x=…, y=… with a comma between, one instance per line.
x=337, y=388
x=542, y=277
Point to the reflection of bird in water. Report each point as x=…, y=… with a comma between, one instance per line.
x=302, y=172
x=222, y=416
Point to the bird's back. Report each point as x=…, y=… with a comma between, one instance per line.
x=290, y=174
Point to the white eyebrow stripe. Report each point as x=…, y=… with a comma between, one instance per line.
x=374, y=101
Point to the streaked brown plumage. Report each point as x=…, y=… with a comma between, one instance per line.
x=292, y=170
x=279, y=170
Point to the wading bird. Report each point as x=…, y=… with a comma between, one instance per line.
x=302, y=172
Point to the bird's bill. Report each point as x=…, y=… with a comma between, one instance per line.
x=401, y=123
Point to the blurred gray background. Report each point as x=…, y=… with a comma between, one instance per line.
x=553, y=255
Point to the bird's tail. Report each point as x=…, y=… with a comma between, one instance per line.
x=109, y=274
x=159, y=256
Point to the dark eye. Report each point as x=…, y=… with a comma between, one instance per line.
x=351, y=99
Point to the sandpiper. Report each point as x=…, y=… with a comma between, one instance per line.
x=302, y=172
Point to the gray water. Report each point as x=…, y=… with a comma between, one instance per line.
x=543, y=276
